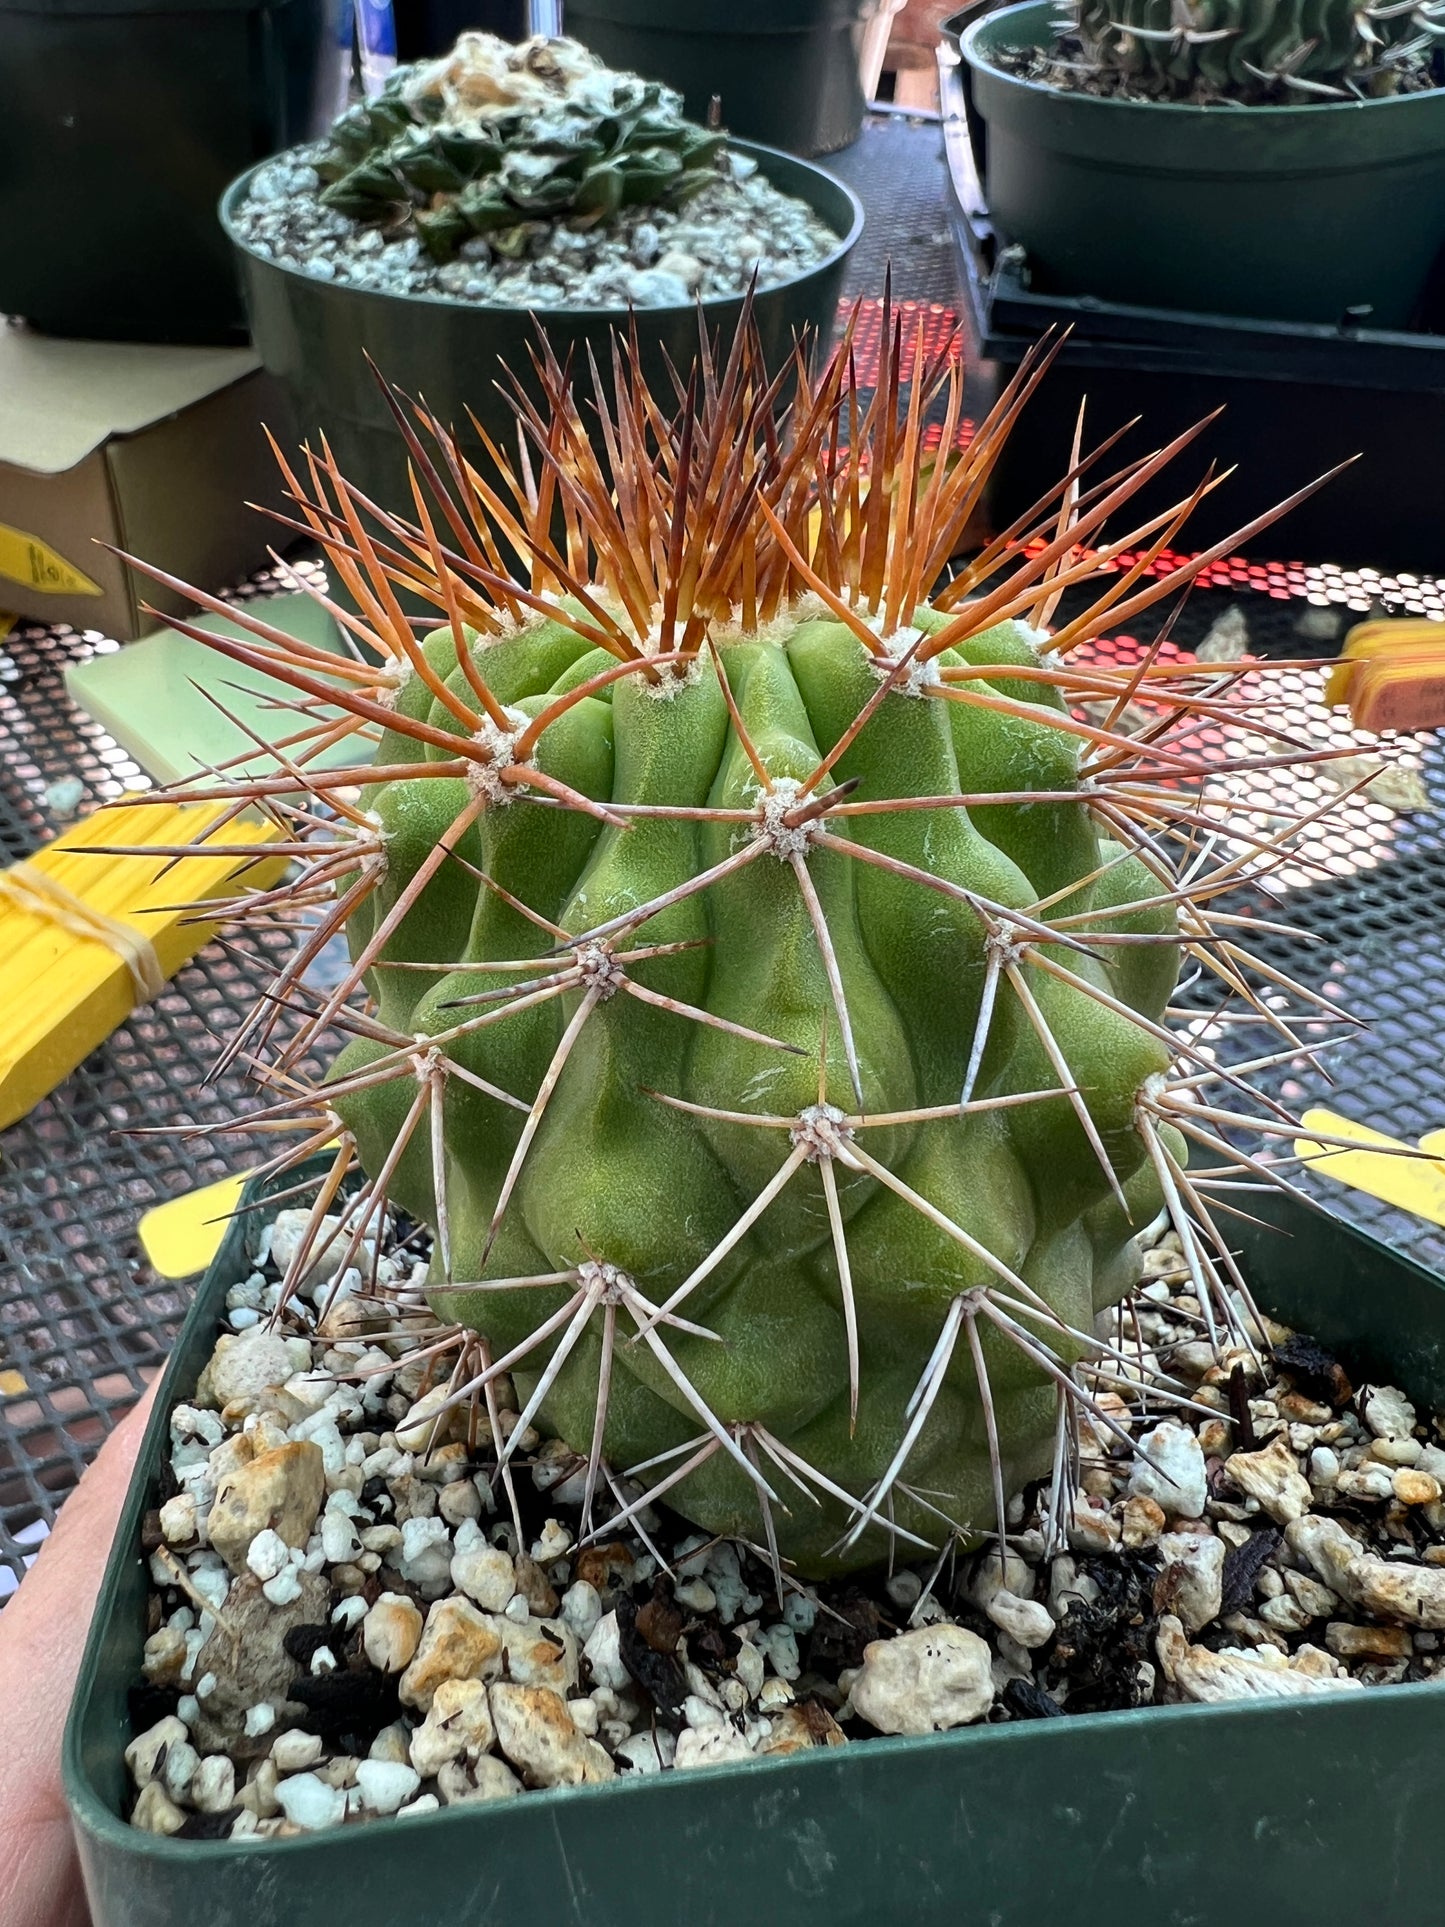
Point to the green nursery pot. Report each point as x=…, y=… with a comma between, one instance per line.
x=315, y=337
x=123, y=120
x=1297, y=213
x=1271, y=1812
x=785, y=71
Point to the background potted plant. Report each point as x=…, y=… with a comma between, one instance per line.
x=1219, y=156
x=498, y=184
x=1176, y=234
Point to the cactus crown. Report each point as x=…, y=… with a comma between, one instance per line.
x=1252, y=51
x=491, y=136
x=762, y=958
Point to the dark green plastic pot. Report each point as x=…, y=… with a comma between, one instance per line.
x=315, y=337
x=1297, y=213
x=425, y=28
x=122, y=122
x=785, y=71
x=1272, y=1812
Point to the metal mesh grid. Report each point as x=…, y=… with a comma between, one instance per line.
x=82, y=1315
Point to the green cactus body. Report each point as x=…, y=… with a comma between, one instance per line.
x=1254, y=50
x=616, y=1174
x=761, y=958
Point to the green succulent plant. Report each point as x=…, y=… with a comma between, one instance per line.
x=1251, y=51
x=425, y=157
x=761, y=957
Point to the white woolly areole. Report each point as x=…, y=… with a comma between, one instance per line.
x=600, y=970
x=392, y=677
x=672, y=677
x=610, y=1282
x=1155, y=1086
x=1035, y=638
x=822, y=1130
x=785, y=840
x=921, y=675
x=484, y=774
x=1008, y=941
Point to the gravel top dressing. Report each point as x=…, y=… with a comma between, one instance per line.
x=355, y=1612
x=529, y=177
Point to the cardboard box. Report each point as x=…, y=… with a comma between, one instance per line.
x=156, y=450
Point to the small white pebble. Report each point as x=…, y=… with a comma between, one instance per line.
x=295, y=1751
x=585, y=1716
x=581, y=1609
x=178, y=1520
x=696, y=1595
x=904, y=1589
x=284, y=1588
x=323, y=1660
x=339, y=1543
x=205, y=1686
x=779, y=1646
x=386, y=1785
x=268, y=1555
x=260, y=1718
x=182, y=1760
x=349, y=1612
x=213, y=1788
x=518, y=1609
x=800, y=1611
x=309, y=1803
x=188, y=1708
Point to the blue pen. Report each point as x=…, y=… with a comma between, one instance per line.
x=377, y=25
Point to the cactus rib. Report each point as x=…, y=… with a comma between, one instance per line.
x=762, y=958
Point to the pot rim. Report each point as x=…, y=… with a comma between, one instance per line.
x=967, y=39
x=713, y=304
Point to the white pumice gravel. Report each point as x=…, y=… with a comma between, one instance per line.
x=476, y=1657
x=643, y=257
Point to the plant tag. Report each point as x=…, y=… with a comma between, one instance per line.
x=1411, y=1183
x=183, y=1235
x=25, y=558
x=1391, y=676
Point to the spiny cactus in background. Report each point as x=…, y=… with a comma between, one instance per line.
x=492, y=136
x=1254, y=51
x=761, y=968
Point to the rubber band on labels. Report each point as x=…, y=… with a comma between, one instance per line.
x=31, y=889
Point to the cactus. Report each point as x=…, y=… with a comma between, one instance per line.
x=761, y=958
x=1252, y=51
x=493, y=136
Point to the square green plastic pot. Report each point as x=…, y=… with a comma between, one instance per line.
x=1271, y=1814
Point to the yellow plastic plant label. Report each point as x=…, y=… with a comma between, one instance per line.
x=1411, y=1183
x=183, y=1235
x=25, y=558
